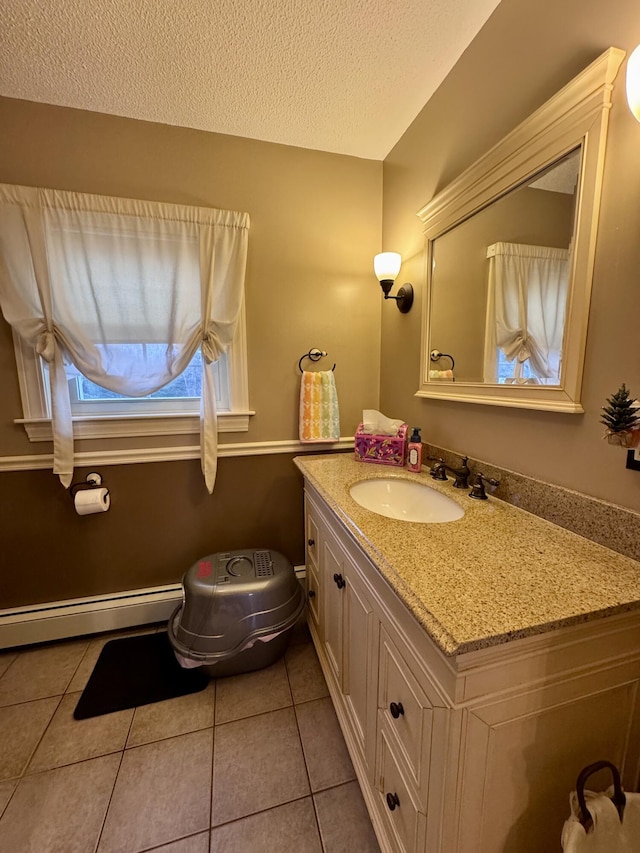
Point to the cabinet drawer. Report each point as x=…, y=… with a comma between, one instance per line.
x=405, y=708
x=313, y=594
x=396, y=800
x=313, y=539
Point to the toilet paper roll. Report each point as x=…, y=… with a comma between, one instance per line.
x=88, y=501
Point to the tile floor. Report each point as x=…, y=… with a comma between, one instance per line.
x=253, y=764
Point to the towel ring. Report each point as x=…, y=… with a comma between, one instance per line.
x=619, y=799
x=435, y=354
x=314, y=355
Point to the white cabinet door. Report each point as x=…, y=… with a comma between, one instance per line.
x=333, y=584
x=522, y=754
x=313, y=535
x=347, y=632
x=313, y=595
x=360, y=632
x=314, y=531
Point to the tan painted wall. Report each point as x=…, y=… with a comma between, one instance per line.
x=522, y=56
x=315, y=226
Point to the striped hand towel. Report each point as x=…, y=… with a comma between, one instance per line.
x=441, y=376
x=319, y=414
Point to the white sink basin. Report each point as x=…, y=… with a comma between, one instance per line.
x=405, y=500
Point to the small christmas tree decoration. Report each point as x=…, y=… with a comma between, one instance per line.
x=622, y=419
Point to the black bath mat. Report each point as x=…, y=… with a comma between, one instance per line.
x=136, y=671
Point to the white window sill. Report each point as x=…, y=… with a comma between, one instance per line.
x=125, y=426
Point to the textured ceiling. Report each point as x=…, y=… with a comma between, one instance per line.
x=346, y=76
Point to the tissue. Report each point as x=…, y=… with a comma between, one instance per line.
x=375, y=423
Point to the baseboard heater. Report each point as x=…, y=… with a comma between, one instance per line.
x=57, y=620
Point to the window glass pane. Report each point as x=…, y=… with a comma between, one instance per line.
x=188, y=384
x=180, y=395
x=506, y=369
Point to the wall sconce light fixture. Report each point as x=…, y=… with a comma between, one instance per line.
x=633, y=83
x=387, y=267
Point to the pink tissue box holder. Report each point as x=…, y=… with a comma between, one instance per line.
x=381, y=449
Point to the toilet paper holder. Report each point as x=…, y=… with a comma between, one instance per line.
x=91, y=481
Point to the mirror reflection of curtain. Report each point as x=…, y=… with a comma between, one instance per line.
x=526, y=306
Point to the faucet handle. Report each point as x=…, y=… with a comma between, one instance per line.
x=438, y=471
x=477, y=491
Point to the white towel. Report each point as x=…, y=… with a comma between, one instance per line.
x=608, y=834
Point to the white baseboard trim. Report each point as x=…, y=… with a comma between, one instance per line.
x=57, y=620
x=35, y=462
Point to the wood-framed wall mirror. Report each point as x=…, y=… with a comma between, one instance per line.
x=510, y=251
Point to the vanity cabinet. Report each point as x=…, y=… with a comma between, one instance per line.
x=376, y=683
x=470, y=753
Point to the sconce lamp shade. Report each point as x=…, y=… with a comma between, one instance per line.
x=387, y=265
x=633, y=83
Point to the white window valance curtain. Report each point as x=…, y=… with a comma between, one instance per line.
x=526, y=307
x=80, y=275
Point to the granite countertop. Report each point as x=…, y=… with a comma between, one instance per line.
x=497, y=574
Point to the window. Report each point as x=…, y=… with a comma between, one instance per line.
x=127, y=301
x=100, y=413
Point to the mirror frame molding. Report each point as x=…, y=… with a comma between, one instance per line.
x=575, y=116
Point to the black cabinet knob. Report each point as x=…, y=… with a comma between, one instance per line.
x=392, y=801
x=312, y=593
x=340, y=581
x=396, y=710
x=311, y=542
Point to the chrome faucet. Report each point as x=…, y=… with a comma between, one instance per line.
x=462, y=474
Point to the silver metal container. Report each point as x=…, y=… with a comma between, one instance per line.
x=238, y=610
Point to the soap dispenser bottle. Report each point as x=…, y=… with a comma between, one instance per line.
x=414, y=457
